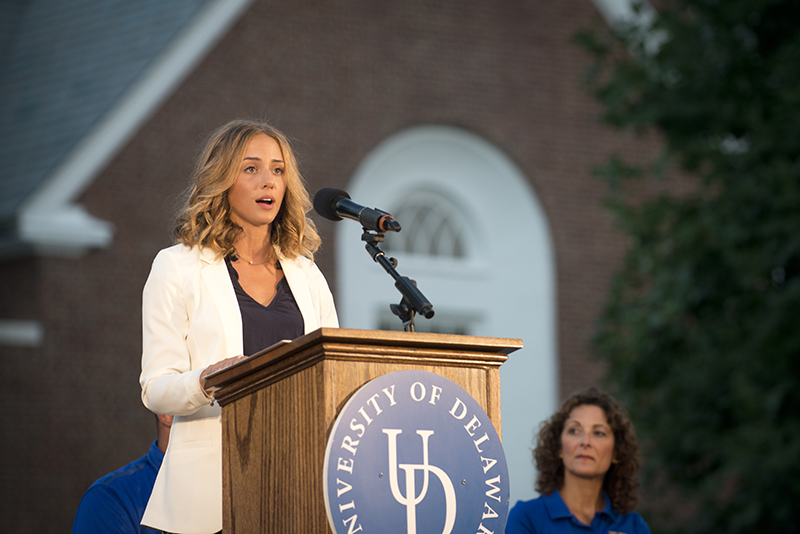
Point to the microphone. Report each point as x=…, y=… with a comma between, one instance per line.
x=335, y=204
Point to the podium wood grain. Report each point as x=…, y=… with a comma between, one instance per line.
x=278, y=409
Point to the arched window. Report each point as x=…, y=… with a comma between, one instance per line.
x=476, y=241
x=431, y=227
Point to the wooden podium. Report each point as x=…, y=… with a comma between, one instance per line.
x=278, y=409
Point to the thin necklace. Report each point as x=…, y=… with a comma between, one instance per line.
x=250, y=262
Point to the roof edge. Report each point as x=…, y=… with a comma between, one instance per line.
x=50, y=213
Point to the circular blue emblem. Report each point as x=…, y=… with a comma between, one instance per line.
x=413, y=453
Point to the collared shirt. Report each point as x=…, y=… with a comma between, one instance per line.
x=116, y=502
x=548, y=514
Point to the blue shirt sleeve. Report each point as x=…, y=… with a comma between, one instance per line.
x=115, y=503
x=641, y=526
x=101, y=512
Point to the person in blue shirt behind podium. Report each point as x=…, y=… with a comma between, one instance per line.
x=587, y=457
x=115, y=503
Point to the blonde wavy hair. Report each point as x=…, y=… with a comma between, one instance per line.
x=205, y=220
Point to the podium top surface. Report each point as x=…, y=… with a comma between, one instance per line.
x=419, y=339
x=379, y=339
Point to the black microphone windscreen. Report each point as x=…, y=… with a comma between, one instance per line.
x=325, y=201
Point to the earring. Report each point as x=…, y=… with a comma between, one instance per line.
x=615, y=461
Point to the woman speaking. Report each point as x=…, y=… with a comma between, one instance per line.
x=240, y=279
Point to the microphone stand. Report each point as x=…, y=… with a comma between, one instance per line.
x=413, y=300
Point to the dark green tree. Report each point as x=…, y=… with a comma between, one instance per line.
x=701, y=331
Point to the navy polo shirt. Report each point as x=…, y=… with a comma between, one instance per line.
x=549, y=515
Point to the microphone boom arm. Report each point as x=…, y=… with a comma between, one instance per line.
x=413, y=300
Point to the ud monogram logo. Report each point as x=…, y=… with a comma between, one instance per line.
x=413, y=453
x=410, y=500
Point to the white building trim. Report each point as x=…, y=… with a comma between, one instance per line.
x=21, y=333
x=617, y=11
x=623, y=13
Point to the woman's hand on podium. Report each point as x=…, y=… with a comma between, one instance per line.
x=214, y=367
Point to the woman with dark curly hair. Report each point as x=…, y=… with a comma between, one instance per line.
x=586, y=457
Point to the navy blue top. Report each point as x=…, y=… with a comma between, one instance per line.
x=115, y=503
x=549, y=515
x=263, y=326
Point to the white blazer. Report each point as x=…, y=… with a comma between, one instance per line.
x=191, y=319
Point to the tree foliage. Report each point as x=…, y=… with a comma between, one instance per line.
x=701, y=331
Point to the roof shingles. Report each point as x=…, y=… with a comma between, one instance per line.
x=67, y=65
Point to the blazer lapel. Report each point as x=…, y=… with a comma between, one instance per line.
x=218, y=281
x=302, y=295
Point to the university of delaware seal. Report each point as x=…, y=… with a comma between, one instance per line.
x=413, y=453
